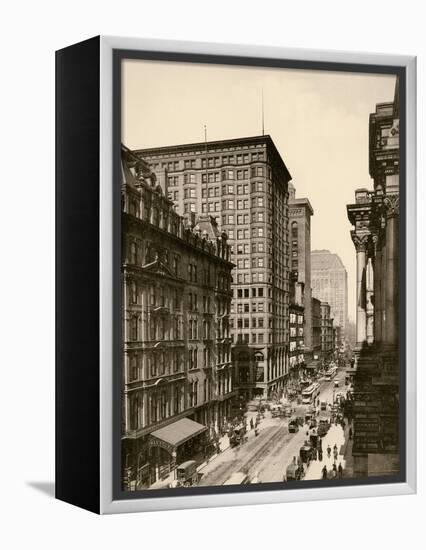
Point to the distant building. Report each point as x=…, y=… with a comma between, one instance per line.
x=243, y=183
x=351, y=333
x=329, y=281
x=178, y=379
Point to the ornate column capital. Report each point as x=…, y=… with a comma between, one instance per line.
x=360, y=241
x=391, y=205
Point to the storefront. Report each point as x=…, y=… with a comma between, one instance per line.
x=170, y=446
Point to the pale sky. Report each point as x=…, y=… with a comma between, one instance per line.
x=318, y=121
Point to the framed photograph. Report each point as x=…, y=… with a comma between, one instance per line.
x=235, y=282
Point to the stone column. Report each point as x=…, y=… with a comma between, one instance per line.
x=377, y=267
x=391, y=203
x=369, y=302
x=360, y=242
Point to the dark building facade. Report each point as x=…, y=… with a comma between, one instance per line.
x=178, y=378
x=316, y=328
x=327, y=332
x=243, y=183
x=375, y=218
x=300, y=213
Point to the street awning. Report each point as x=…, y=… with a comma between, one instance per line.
x=312, y=365
x=175, y=434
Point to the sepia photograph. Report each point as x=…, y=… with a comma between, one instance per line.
x=260, y=276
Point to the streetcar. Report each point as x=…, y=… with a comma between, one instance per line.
x=186, y=474
x=330, y=374
x=310, y=394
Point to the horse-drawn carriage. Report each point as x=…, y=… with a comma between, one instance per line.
x=237, y=435
x=294, y=472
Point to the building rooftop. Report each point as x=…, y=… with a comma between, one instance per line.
x=324, y=259
x=218, y=144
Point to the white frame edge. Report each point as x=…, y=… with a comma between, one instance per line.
x=107, y=503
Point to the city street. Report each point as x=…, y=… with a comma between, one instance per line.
x=267, y=456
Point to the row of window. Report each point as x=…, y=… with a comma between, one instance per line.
x=295, y=318
x=253, y=338
x=209, y=162
x=255, y=292
x=215, y=177
x=191, y=192
x=255, y=322
x=245, y=248
x=256, y=307
x=157, y=364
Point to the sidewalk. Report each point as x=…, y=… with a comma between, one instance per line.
x=346, y=451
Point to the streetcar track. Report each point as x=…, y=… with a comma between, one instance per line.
x=245, y=464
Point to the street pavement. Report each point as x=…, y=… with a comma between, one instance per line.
x=266, y=456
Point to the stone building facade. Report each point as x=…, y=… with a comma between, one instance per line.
x=375, y=219
x=316, y=328
x=300, y=213
x=178, y=379
x=243, y=183
x=327, y=333
x=297, y=339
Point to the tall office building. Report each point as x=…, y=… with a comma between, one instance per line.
x=329, y=281
x=300, y=212
x=243, y=183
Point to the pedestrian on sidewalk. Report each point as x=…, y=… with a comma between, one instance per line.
x=340, y=470
x=251, y=424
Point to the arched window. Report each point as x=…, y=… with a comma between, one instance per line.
x=136, y=412
x=133, y=368
x=134, y=328
x=153, y=408
x=133, y=292
x=133, y=253
x=163, y=405
x=195, y=393
x=294, y=230
x=176, y=400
